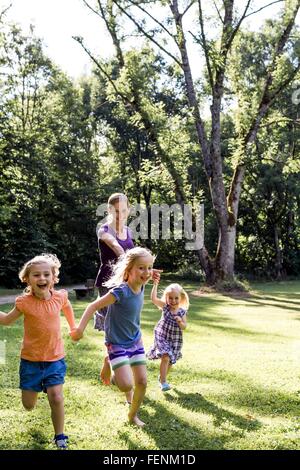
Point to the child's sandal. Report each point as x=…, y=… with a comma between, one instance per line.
x=61, y=441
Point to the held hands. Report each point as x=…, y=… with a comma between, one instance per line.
x=156, y=275
x=76, y=334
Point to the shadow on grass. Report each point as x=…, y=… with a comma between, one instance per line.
x=26, y=436
x=217, y=322
x=151, y=314
x=240, y=332
x=197, y=402
x=35, y=440
x=170, y=432
x=244, y=393
x=204, y=311
x=276, y=303
x=281, y=298
x=40, y=441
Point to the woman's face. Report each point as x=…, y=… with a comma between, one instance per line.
x=119, y=212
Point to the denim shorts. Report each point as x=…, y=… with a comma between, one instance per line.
x=38, y=376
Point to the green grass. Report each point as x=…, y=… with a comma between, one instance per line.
x=236, y=387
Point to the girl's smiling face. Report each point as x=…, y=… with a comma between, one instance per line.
x=141, y=271
x=173, y=299
x=40, y=279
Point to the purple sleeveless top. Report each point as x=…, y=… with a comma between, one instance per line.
x=107, y=255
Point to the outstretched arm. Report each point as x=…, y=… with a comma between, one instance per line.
x=159, y=303
x=113, y=244
x=9, y=318
x=98, y=304
x=69, y=314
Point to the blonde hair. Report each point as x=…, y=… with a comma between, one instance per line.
x=184, y=298
x=47, y=258
x=124, y=264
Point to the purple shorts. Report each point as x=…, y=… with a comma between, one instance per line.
x=133, y=356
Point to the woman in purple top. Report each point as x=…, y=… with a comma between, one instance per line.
x=114, y=238
x=108, y=255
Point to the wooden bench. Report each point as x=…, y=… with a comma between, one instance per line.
x=87, y=291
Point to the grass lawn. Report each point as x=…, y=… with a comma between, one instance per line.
x=236, y=387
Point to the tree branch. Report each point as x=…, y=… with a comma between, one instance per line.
x=188, y=7
x=268, y=98
x=284, y=84
x=101, y=68
x=3, y=12
x=238, y=24
x=148, y=36
x=262, y=8
x=190, y=89
x=284, y=119
x=205, y=47
x=152, y=17
x=91, y=8
x=218, y=11
x=111, y=27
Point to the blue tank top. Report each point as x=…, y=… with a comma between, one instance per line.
x=122, y=321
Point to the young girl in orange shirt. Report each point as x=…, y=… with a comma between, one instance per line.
x=42, y=366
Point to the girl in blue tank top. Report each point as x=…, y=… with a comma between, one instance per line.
x=122, y=325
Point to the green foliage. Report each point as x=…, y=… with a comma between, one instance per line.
x=49, y=169
x=189, y=270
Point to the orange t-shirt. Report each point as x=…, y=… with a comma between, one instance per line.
x=42, y=333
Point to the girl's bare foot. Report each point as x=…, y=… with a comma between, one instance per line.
x=135, y=420
x=105, y=373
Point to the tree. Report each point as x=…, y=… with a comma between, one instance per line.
x=136, y=102
x=281, y=66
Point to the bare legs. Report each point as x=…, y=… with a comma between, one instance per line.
x=126, y=378
x=164, y=367
x=29, y=399
x=105, y=373
x=106, y=377
x=56, y=402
